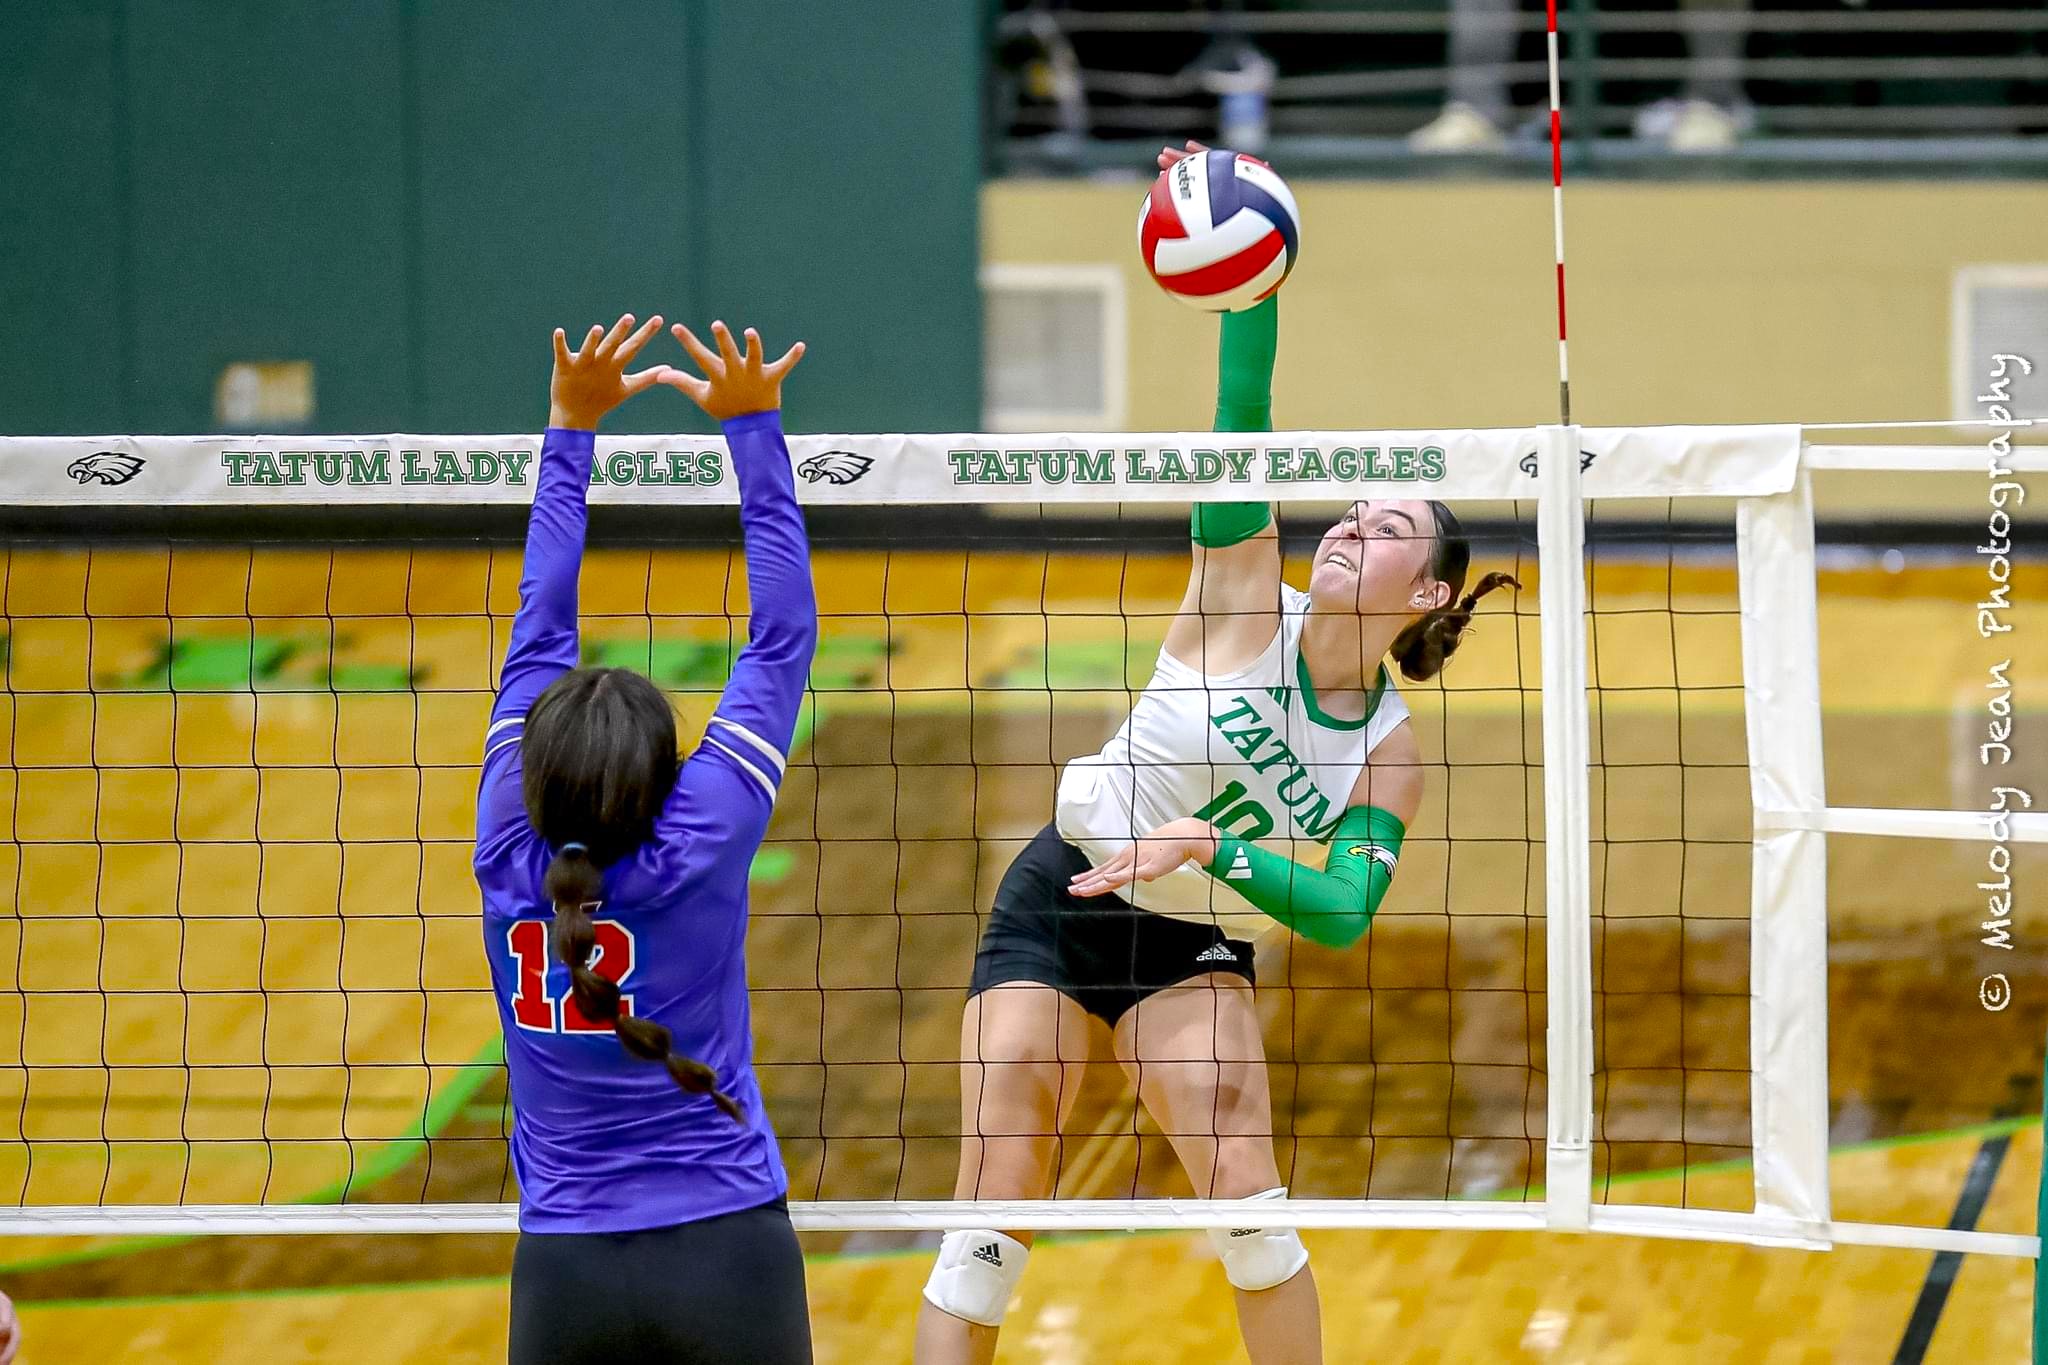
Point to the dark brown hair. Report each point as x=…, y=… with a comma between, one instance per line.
x=1427, y=643
x=598, y=760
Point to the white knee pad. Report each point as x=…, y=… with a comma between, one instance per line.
x=1259, y=1258
x=975, y=1276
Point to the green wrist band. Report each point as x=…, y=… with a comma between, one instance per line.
x=1217, y=524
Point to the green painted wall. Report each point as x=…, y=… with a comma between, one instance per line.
x=412, y=195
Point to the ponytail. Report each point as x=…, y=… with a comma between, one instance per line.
x=574, y=883
x=1430, y=639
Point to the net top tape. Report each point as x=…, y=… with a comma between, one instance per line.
x=875, y=470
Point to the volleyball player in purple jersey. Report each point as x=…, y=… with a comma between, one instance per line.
x=614, y=873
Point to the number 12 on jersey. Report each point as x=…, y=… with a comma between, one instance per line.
x=533, y=1008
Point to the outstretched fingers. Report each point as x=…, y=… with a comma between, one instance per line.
x=699, y=352
x=632, y=344
x=1118, y=871
x=784, y=365
x=727, y=350
x=697, y=390
x=644, y=379
x=592, y=380
x=737, y=378
x=612, y=338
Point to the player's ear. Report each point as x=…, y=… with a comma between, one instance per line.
x=1431, y=595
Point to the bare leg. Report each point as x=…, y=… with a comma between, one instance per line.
x=1199, y=1063
x=1022, y=1049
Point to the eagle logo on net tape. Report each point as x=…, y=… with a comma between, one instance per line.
x=835, y=466
x=109, y=467
x=1586, y=458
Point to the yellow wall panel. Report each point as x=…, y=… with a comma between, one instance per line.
x=1432, y=304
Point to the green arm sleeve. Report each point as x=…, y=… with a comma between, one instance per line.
x=1244, y=368
x=1335, y=906
x=1244, y=402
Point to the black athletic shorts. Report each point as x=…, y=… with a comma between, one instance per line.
x=1101, y=951
x=712, y=1292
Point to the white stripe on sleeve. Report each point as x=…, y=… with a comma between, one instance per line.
x=758, y=775
x=760, y=745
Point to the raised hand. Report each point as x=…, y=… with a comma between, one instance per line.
x=592, y=380
x=734, y=384
x=1152, y=856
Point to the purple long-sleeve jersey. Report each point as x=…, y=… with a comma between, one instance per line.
x=602, y=1141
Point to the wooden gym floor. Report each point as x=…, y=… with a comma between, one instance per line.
x=242, y=962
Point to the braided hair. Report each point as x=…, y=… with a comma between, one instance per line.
x=1427, y=643
x=598, y=760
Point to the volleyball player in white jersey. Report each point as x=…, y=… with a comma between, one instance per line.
x=1266, y=777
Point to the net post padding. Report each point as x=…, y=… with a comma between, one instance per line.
x=1788, y=992
x=1567, y=806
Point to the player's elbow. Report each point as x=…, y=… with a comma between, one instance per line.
x=1335, y=928
x=1345, y=931
x=796, y=614
x=801, y=633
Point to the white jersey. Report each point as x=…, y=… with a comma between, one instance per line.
x=1249, y=751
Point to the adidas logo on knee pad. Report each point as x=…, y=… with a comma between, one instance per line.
x=976, y=1275
x=1259, y=1258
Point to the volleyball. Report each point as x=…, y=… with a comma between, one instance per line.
x=1219, y=231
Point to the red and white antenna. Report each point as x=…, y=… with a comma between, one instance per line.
x=1564, y=372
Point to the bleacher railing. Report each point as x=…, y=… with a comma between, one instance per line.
x=1930, y=89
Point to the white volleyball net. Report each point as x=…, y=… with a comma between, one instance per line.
x=246, y=685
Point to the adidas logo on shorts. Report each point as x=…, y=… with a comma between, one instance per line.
x=1240, y=868
x=1216, y=952
x=990, y=1252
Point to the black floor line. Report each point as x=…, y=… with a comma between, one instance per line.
x=1941, y=1276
